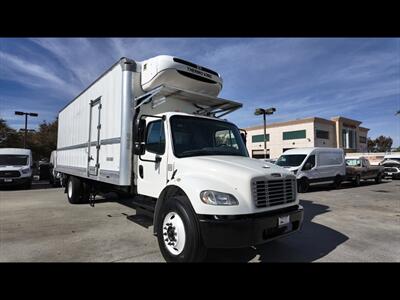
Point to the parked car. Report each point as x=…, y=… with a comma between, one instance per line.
x=16, y=167
x=391, y=169
x=393, y=157
x=358, y=168
x=314, y=166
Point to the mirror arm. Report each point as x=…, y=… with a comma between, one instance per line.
x=157, y=160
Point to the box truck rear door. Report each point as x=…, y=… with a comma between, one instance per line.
x=94, y=137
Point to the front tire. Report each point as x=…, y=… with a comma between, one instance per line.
x=378, y=178
x=337, y=182
x=28, y=185
x=178, y=232
x=303, y=185
x=357, y=181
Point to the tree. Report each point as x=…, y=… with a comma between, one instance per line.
x=41, y=142
x=371, y=144
x=9, y=138
x=380, y=144
x=383, y=143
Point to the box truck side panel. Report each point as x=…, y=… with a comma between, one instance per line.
x=94, y=118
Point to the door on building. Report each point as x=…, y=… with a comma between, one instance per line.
x=259, y=154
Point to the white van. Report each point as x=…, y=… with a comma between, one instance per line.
x=314, y=166
x=393, y=157
x=16, y=167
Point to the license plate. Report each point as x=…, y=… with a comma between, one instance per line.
x=283, y=220
x=389, y=174
x=7, y=180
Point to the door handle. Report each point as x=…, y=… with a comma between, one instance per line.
x=141, y=171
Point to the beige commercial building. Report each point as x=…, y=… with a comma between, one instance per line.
x=338, y=132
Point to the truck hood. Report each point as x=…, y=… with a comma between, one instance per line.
x=227, y=174
x=234, y=166
x=291, y=168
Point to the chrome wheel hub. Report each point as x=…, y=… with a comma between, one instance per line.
x=174, y=234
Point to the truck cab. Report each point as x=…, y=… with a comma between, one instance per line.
x=238, y=201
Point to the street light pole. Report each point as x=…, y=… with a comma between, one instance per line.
x=26, y=129
x=264, y=112
x=265, y=135
x=20, y=113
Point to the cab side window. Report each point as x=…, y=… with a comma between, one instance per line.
x=155, y=138
x=310, y=163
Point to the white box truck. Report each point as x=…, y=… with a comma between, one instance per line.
x=16, y=167
x=153, y=129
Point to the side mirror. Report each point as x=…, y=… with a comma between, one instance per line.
x=307, y=166
x=243, y=135
x=138, y=136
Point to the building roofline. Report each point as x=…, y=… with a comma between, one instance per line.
x=293, y=122
x=347, y=120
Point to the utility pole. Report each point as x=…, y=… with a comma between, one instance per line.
x=20, y=113
x=264, y=112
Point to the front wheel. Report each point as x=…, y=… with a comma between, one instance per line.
x=357, y=181
x=28, y=185
x=303, y=185
x=337, y=182
x=378, y=178
x=178, y=232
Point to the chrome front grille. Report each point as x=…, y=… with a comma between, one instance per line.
x=9, y=174
x=273, y=192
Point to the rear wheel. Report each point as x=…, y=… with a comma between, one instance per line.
x=303, y=185
x=378, y=178
x=178, y=232
x=74, y=190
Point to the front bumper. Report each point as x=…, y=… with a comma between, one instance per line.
x=248, y=230
x=14, y=181
x=394, y=175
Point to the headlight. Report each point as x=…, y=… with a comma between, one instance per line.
x=25, y=171
x=218, y=198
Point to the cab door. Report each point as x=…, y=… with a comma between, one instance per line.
x=152, y=165
x=309, y=168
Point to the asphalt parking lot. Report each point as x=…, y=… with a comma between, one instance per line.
x=351, y=224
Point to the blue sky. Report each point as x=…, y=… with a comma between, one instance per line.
x=353, y=77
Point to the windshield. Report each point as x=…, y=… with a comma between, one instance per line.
x=292, y=160
x=197, y=136
x=353, y=162
x=13, y=160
